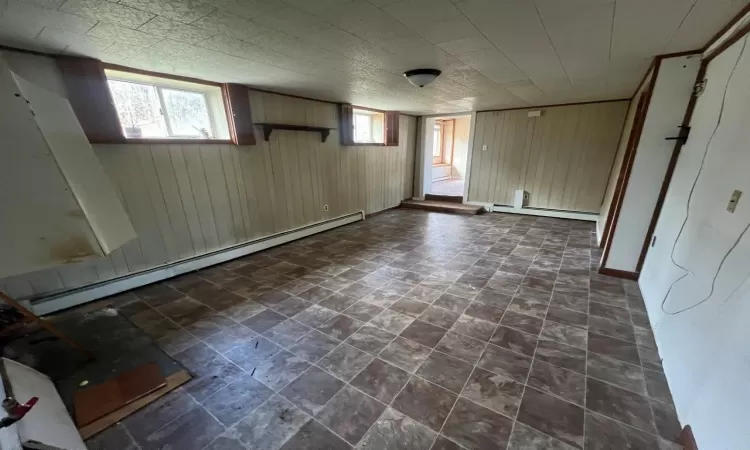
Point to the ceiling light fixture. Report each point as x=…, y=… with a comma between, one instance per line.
x=421, y=77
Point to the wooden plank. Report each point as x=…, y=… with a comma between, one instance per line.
x=199, y=186
x=217, y=194
x=187, y=198
x=150, y=181
x=170, y=191
x=172, y=382
x=94, y=402
x=230, y=181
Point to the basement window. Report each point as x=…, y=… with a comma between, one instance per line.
x=151, y=107
x=369, y=126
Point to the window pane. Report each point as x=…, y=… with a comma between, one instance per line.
x=138, y=109
x=362, y=128
x=436, y=141
x=187, y=114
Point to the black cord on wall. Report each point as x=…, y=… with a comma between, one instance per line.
x=687, y=213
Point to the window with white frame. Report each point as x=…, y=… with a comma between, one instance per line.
x=151, y=107
x=368, y=126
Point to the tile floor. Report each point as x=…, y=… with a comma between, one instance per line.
x=410, y=330
x=453, y=186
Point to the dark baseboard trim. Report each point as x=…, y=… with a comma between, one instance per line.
x=618, y=273
x=687, y=440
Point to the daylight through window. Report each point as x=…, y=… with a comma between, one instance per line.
x=368, y=127
x=158, y=108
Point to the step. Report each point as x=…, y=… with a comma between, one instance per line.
x=446, y=207
x=444, y=198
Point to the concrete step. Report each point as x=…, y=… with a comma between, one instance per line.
x=444, y=198
x=446, y=207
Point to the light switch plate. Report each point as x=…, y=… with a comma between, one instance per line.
x=484, y=148
x=733, y=200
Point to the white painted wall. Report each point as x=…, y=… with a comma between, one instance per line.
x=672, y=91
x=705, y=349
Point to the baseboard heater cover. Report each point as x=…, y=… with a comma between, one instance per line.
x=77, y=296
x=591, y=217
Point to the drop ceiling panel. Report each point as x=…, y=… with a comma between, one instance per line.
x=637, y=33
x=703, y=21
x=493, y=53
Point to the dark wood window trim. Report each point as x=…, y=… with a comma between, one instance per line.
x=89, y=96
x=239, y=114
x=88, y=93
x=346, y=127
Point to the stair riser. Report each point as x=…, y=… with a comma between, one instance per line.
x=441, y=209
x=444, y=198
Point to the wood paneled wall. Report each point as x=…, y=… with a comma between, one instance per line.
x=562, y=159
x=186, y=200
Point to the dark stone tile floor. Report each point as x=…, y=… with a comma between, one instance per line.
x=410, y=330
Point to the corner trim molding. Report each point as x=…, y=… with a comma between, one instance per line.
x=618, y=273
x=74, y=297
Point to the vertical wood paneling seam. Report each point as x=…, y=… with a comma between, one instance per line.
x=182, y=202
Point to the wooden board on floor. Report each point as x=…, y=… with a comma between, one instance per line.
x=172, y=382
x=99, y=400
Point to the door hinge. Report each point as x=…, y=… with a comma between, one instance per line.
x=699, y=87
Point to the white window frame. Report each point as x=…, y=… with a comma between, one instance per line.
x=166, y=83
x=371, y=115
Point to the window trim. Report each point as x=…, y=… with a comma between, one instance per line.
x=346, y=127
x=440, y=158
x=224, y=97
x=372, y=124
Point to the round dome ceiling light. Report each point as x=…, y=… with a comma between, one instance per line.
x=421, y=77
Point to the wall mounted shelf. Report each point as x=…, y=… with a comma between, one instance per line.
x=269, y=127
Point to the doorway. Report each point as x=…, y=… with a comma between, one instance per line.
x=446, y=150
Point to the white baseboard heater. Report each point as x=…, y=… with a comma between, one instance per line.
x=74, y=297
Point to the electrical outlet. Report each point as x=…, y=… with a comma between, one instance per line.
x=733, y=200
x=325, y=207
x=484, y=148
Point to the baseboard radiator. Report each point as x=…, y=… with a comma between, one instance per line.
x=74, y=297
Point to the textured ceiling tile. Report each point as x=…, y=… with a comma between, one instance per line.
x=416, y=12
x=107, y=11
x=467, y=45
x=166, y=28
x=447, y=30
x=49, y=4
x=381, y=3
x=18, y=34
x=135, y=38
x=23, y=13
x=248, y=9
x=639, y=34
x=351, y=50
x=181, y=10
x=231, y=25
x=494, y=65
x=294, y=22
x=64, y=39
x=231, y=46
x=514, y=26
x=582, y=33
x=317, y=5
x=699, y=26
x=528, y=92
